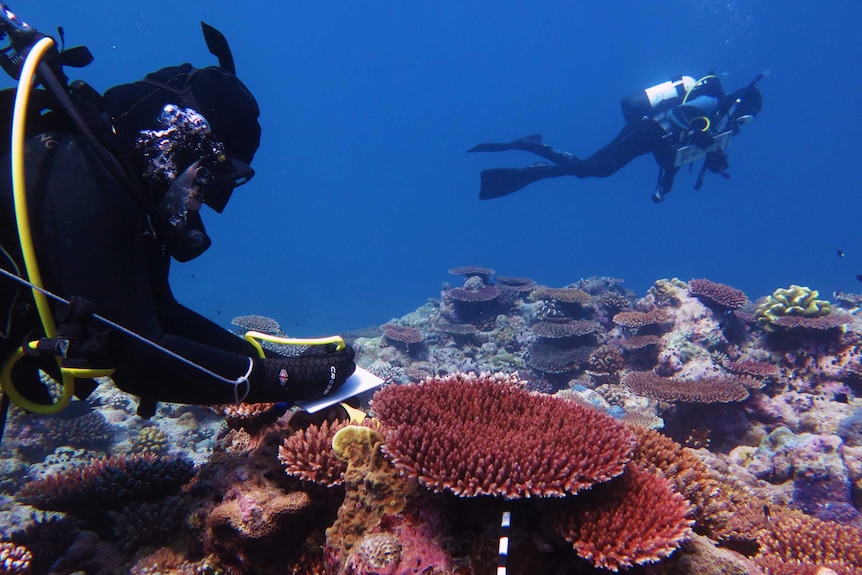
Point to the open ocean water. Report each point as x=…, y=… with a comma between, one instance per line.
x=364, y=195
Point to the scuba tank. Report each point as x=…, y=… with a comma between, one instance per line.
x=656, y=98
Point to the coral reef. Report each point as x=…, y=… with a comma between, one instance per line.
x=742, y=438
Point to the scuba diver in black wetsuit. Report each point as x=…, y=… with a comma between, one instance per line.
x=114, y=185
x=679, y=121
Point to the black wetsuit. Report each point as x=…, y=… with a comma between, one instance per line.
x=654, y=133
x=92, y=240
x=637, y=138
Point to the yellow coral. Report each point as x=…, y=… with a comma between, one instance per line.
x=355, y=443
x=150, y=439
x=793, y=301
x=373, y=488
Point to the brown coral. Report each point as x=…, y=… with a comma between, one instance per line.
x=468, y=271
x=252, y=417
x=716, y=293
x=822, y=323
x=555, y=360
x=258, y=515
x=477, y=435
x=796, y=537
x=758, y=369
x=606, y=359
x=113, y=482
x=259, y=323
x=516, y=284
x=455, y=329
x=614, y=301
x=562, y=295
x=637, y=342
x=641, y=319
x=565, y=329
x=473, y=296
x=14, y=559
x=307, y=454
x=716, y=389
x=403, y=335
x=635, y=519
x=715, y=501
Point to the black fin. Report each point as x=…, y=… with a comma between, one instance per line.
x=218, y=47
x=527, y=143
x=500, y=182
x=491, y=147
x=531, y=139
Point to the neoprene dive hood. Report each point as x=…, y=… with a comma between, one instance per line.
x=216, y=93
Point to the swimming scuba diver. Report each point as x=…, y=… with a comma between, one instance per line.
x=114, y=187
x=679, y=121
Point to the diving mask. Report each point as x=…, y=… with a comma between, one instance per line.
x=185, y=148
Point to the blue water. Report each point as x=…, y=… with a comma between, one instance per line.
x=364, y=195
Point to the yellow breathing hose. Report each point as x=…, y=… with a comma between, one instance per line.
x=19, y=187
x=695, y=85
x=688, y=93
x=253, y=336
x=25, y=236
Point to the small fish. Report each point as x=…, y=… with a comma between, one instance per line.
x=859, y=277
x=840, y=253
x=766, y=513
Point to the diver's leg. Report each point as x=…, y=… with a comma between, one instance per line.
x=532, y=143
x=636, y=139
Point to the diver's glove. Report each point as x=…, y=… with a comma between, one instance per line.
x=317, y=372
x=702, y=140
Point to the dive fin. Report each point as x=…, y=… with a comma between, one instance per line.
x=524, y=143
x=500, y=182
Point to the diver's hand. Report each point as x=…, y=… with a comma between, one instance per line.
x=702, y=140
x=319, y=371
